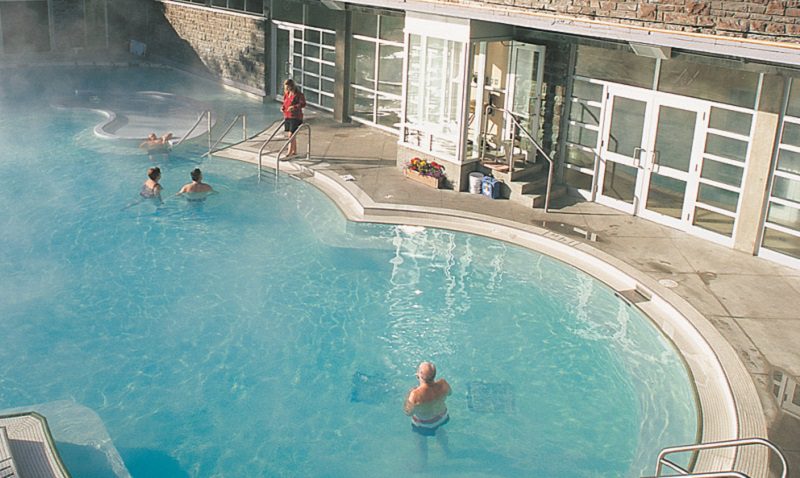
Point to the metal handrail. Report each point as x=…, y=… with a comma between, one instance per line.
x=551, y=163
x=308, y=147
x=207, y=115
x=230, y=127
x=264, y=145
x=663, y=461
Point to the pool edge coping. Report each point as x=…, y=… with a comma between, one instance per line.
x=727, y=396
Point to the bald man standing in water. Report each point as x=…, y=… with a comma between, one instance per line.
x=425, y=405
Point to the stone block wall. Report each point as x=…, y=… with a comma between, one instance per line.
x=227, y=46
x=773, y=20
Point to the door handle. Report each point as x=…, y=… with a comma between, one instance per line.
x=637, y=156
x=655, y=158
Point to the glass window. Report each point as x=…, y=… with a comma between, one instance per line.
x=791, y=134
x=733, y=121
x=365, y=24
x=687, y=76
x=328, y=71
x=627, y=126
x=312, y=36
x=311, y=51
x=794, y=98
x=311, y=96
x=288, y=11
x=786, y=188
x=389, y=112
x=363, y=104
x=722, y=172
x=619, y=66
x=254, y=6
x=718, y=197
x=580, y=156
x=713, y=221
x=587, y=91
x=391, y=69
x=620, y=181
x=328, y=39
x=392, y=28
x=584, y=113
x=236, y=4
x=311, y=81
x=322, y=17
x=789, y=161
x=329, y=54
x=785, y=216
x=363, y=73
x=582, y=136
x=725, y=147
x=782, y=242
x=577, y=179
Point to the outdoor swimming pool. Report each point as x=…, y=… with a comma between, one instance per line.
x=261, y=334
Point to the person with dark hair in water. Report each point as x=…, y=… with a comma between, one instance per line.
x=151, y=189
x=196, y=190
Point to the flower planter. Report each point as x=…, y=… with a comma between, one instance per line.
x=426, y=180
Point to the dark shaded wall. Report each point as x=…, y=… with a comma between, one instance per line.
x=225, y=45
x=774, y=20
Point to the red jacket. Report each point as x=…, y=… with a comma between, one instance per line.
x=293, y=99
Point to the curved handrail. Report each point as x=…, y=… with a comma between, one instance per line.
x=264, y=145
x=288, y=141
x=206, y=114
x=241, y=116
x=487, y=110
x=663, y=461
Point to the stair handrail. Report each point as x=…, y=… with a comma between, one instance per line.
x=241, y=116
x=288, y=141
x=207, y=115
x=663, y=461
x=265, y=143
x=551, y=164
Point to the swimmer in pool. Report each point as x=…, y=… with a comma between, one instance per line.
x=196, y=190
x=154, y=144
x=151, y=189
x=425, y=404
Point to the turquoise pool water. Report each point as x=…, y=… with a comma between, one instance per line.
x=261, y=334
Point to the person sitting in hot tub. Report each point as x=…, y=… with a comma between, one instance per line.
x=196, y=190
x=154, y=144
x=151, y=189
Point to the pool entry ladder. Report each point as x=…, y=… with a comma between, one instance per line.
x=676, y=470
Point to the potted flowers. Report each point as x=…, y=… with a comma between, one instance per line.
x=426, y=172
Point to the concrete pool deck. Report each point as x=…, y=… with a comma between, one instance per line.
x=752, y=303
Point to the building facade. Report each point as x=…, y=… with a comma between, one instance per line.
x=686, y=113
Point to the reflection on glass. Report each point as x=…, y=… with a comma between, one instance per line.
x=786, y=188
x=577, y=179
x=665, y=196
x=587, y=91
x=582, y=136
x=675, y=137
x=722, y=172
x=785, y=216
x=311, y=81
x=627, y=126
x=725, y=147
x=619, y=181
x=365, y=24
x=619, y=66
x=794, y=99
x=693, y=76
x=718, y=197
x=782, y=242
x=389, y=112
x=363, y=73
x=791, y=133
x=580, y=157
x=392, y=28
x=311, y=51
x=319, y=15
x=713, y=222
x=789, y=161
x=524, y=74
x=728, y=120
x=312, y=36
x=362, y=104
x=311, y=96
x=583, y=113
x=390, y=70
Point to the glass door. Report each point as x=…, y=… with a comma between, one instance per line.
x=651, y=149
x=282, y=57
x=524, y=98
x=623, y=146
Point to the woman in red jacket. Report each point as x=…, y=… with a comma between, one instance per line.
x=293, y=104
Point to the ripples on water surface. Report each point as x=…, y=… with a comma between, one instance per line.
x=222, y=339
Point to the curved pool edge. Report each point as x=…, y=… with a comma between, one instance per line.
x=728, y=401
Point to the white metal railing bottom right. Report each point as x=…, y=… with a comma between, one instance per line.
x=664, y=462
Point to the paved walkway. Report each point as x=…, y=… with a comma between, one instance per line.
x=754, y=303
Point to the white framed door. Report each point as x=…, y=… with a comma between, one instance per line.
x=524, y=96
x=282, y=68
x=651, y=150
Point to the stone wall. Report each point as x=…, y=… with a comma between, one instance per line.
x=774, y=20
x=228, y=46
